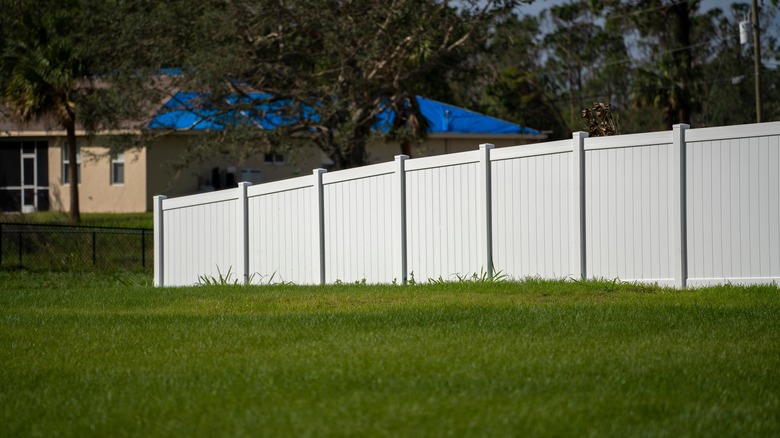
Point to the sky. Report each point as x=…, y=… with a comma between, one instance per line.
x=539, y=5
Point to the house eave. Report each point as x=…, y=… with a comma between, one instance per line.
x=188, y=132
x=62, y=133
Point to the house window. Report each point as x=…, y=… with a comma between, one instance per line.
x=118, y=168
x=66, y=164
x=274, y=159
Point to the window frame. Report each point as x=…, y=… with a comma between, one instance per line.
x=66, y=163
x=117, y=159
x=274, y=158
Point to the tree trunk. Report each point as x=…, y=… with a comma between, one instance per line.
x=684, y=62
x=406, y=147
x=354, y=154
x=70, y=128
x=400, y=122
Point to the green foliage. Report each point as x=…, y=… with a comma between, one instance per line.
x=484, y=277
x=655, y=62
x=481, y=277
x=57, y=67
x=220, y=280
x=41, y=63
x=349, y=60
x=254, y=279
x=43, y=72
x=92, y=356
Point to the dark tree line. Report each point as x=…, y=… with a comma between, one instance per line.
x=657, y=62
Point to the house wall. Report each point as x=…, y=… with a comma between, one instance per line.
x=150, y=171
x=164, y=179
x=96, y=193
x=381, y=152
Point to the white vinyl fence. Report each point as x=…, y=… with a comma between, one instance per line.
x=685, y=207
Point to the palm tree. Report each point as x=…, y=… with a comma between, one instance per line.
x=40, y=75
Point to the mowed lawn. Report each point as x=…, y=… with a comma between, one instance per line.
x=107, y=355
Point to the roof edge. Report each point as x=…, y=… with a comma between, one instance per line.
x=62, y=133
x=471, y=136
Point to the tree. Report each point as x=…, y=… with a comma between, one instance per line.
x=42, y=73
x=729, y=76
x=548, y=68
x=519, y=87
x=665, y=31
x=329, y=69
x=657, y=62
x=82, y=63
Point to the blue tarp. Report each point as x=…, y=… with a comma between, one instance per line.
x=191, y=111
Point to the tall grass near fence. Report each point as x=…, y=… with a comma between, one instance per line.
x=110, y=355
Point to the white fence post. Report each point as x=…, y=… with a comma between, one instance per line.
x=679, y=207
x=485, y=188
x=242, y=233
x=318, y=233
x=578, y=258
x=399, y=221
x=159, y=248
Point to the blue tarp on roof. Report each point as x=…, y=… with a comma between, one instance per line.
x=447, y=118
x=186, y=111
x=191, y=111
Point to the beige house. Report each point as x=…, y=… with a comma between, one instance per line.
x=33, y=166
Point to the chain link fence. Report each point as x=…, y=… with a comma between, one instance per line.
x=73, y=247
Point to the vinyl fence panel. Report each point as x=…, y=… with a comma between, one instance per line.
x=281, y=236
x=628, y=203
x=359, y=216
x=442, y=216
x=733, y=205
x=531, y=217
x=200, y=237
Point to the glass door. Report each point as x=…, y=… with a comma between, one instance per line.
x=29, y=195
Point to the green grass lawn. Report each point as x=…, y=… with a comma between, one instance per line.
x=108, y=355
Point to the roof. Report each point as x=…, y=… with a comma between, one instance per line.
x=191, y=111
x=448, y=118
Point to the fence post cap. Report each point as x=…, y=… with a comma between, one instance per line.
x=401, y=157
x=319, y=171
x=681, y=126
x=487, y=146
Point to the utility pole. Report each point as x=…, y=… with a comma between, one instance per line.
x=757, y=59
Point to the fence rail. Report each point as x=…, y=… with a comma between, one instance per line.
x=72, y=247
x=681, y=207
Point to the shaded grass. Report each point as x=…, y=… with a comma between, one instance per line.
x=108, y=355
x=121, y=220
